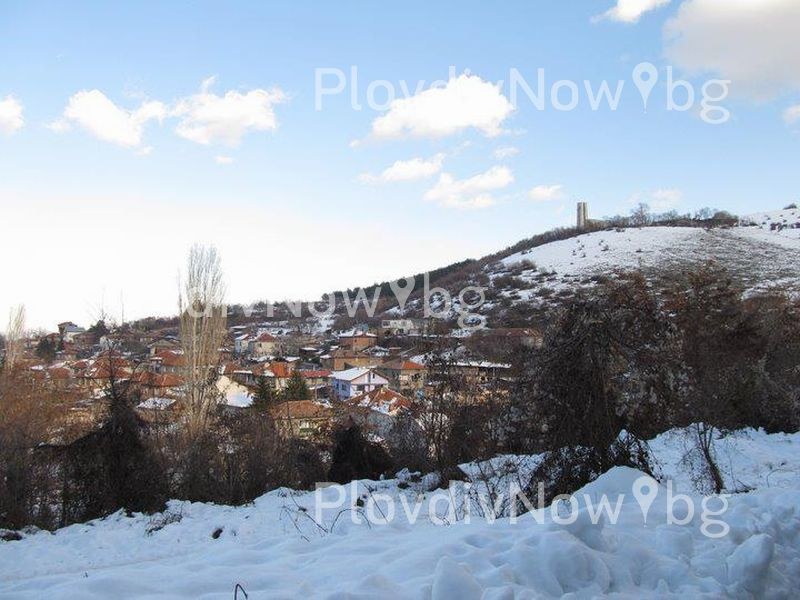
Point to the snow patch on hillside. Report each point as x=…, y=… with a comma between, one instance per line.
x=604, y=251
x=784, y=223
x=761, y=258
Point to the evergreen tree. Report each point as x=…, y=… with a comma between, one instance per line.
x=98, y=330
x=46, y=350
x=296, y=389
x=264, y=396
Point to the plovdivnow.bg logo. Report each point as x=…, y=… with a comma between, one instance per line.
x=564, y=95
x=433, y=303
x=465, y=502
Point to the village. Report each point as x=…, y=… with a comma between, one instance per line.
x=305, y=381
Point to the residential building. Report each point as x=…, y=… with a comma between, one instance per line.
x=344, y=358
x=157, y=385
x=376, y=411
x=167, y=361
x=163, y=344
x=301, y=418
x=394, y=327
x=68, y=330
x=352, y=382
x=406, y=376
x=265, y=344
x=241, y=344
x=356, y=340
x=480, y=372
x=316, y=380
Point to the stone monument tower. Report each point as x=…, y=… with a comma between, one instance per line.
x=583, y=215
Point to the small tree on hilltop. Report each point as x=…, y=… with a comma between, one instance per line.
x=640, y=215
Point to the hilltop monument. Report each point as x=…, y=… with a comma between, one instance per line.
x=583, y=215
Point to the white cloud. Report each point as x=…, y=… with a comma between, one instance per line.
x=406, y=170
x=10, y=115
x=207, y=118
x=58, y=126
x=792, y=115
x=754, y=43
x=471, y=193
x=665, y=199
x=543, y=193
x=223, y=160
x=98, y=115
x=505, y=152
x=660, y=200
x=630, y=11
x=465, y=102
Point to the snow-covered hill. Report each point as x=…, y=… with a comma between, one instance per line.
x=785, y=222
x=760, y=257
x=274, y=549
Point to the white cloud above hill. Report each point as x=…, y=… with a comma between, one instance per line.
x=472, y=193
x=754, y=43
x=543, y=193
x=207, y=118
x=630, y=11
x=11, y=119
x=204, y=118
x=406, y=170
x=95, y=113
x=465, y=102
x=792, y=115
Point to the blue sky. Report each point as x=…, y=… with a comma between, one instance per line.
x=99, y=214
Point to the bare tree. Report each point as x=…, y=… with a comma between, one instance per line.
x=14, y=334
x=202, y=330
x=640, y=215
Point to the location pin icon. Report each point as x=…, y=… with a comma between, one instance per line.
x=645, y=490
x=402, y=292
x=645, y=76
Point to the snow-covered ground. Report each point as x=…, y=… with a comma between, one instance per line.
x=784, y=223
x=761, y=257
x=279, y=548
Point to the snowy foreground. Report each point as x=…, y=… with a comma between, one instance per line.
x=279, y=548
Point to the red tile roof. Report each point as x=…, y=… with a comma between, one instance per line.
x=300, y=409
x=322, y=373
x=170, y=358
x=59, y=373
x=158, y=380
x=404, y=365
x=383, y=400
x=281, y=369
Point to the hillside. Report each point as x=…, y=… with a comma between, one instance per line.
x=752, y=254
x=526, y=280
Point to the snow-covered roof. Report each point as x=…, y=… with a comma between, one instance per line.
x=351, y=374
x=481, y=364
x=355, y=333
x=156, y=403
